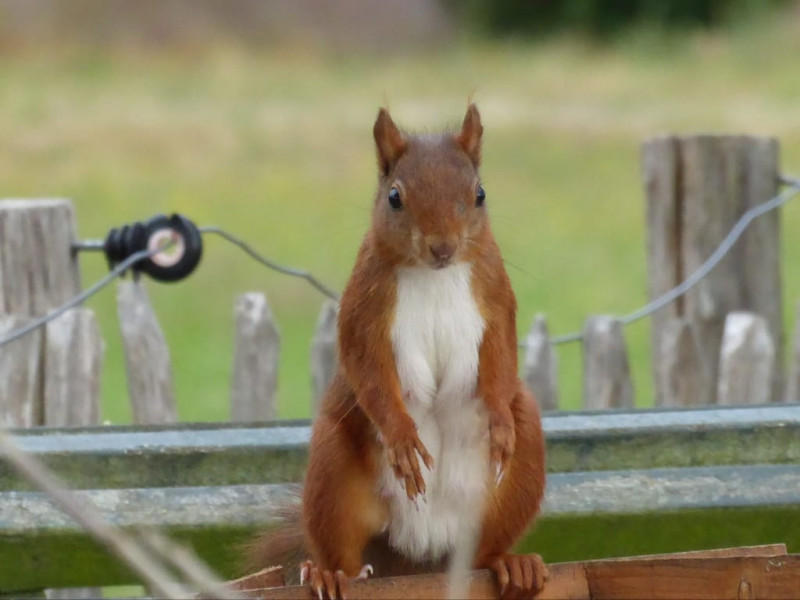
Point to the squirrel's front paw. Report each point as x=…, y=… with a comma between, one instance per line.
x=518, y=575
x=401, y=451
x=502, y=439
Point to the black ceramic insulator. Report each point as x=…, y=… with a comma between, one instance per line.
x=174, y=263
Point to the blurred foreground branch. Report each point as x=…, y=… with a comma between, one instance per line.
x=152, y=558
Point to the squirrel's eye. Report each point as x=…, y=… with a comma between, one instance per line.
x=480, y=196
x=394, y=199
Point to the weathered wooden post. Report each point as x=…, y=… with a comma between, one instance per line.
x=43, y=382
x=20, y=376
x=51, y=375
x=793, y=379
x=147, y=360
x=540, y=367
x=255, y=360
x=697, y=187
x=746, y=361
x=606, y=372
x=324, y=352
x=73, y=361
x=683, y=371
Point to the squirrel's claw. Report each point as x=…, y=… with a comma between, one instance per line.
x=502, y=440
x=366, y=572
x=327, y=584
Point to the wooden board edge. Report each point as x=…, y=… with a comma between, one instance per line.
x=584, y=580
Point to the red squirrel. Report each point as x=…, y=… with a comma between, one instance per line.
x=426, y=431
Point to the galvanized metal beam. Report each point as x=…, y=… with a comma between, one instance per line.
x=226, y=454
x=586, y=515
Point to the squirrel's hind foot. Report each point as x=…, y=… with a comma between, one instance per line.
x=329, y=585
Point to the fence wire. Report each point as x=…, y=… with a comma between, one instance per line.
x=712, y=261
x=792, y=188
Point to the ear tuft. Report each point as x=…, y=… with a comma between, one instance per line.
x=388, y=140
x=470, y=135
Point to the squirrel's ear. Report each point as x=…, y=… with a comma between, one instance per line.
x=471, y=132
x=389, y=141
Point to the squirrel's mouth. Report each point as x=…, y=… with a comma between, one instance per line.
x=441, y=264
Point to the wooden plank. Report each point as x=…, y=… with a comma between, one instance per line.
x=660, y=159
x=324, y=351
x=606, y=372
x=255, y=360
x=540, y=365
x=482, y=586
x=793, y=378
x=230, y=454
x=760, y=251
x=762, y=550
x=73, y=362
x=147, y=360
x=586, y=515
x=747, y=358
x=567, y=582
x=20, y=376
x=271, y=577
x=706, y=576
x=683, y=371
x=696, y=579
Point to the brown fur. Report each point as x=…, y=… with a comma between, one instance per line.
x=363, y=412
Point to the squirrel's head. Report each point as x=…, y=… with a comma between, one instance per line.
x=430, y=205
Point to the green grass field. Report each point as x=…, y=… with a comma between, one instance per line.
x=275, y=146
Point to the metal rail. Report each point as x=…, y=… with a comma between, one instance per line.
x=226, y=454
x=586, y=515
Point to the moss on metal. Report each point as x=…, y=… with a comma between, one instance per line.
x=584, y=537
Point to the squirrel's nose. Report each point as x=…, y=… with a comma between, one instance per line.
x=442, y=251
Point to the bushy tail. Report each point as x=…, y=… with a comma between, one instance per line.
x=282, y=544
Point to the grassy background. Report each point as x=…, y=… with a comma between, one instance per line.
x=275, y=146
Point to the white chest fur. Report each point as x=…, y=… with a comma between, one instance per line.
x=436, y=335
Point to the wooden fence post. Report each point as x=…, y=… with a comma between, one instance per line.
x=255, y=360
x=793, y=380
x=683, y=371
x=37, y=268
x=73, y=362
x=147, y=360
x=606, y=372
x=38, y=272
x=540, y=369
x=747, y=360
x=697, y=188
x=324, y=351
x=20, y=376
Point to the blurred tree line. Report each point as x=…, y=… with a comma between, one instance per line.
x=603, y=17
x=384, y=26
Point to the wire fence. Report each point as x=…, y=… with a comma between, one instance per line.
x=792, y=185
x=157, y=559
